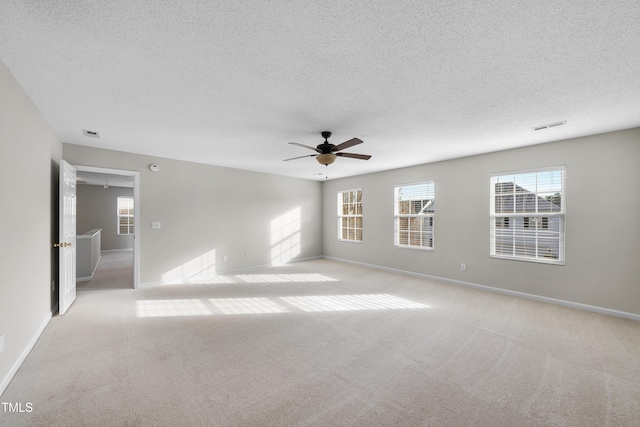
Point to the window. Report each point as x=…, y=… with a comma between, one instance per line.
x=528, y=214
x=125, y=215
x=502, y=222
x=536, y=222
x=414, y=215
x=350, y=215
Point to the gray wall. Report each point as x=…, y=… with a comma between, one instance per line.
x=29, y=166
x=602, y=227
x=209, y=212
x=96, y=208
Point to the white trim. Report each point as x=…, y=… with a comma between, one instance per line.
x=7, y=379
x=357, y=242
x=422, y=216
x=136, y=230
x=523, y=258
x=564, y=303
x=341, y=215
x=415, y=248
x=350, y=189
x=118, y=216
x=560, y=216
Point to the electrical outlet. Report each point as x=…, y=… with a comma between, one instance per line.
x=1, y=343
x=246, y=255
x=463, y=267
x=225, y=258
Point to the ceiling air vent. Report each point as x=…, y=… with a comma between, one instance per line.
x=91, y=133
x=550, y=125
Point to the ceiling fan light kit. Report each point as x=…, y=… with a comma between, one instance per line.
x=327, y=152
x=326, y=159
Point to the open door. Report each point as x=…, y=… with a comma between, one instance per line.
x=67, y=236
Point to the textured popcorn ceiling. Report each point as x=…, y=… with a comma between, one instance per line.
x=231, y=82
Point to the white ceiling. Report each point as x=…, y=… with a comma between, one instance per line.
x=231, y=82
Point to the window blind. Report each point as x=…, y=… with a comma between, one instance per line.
x=528, y=215
x=350, y=215
x=415, y=215
x=125, y=215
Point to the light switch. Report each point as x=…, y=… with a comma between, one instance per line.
x=155, y=224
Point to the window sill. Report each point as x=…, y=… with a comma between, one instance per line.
x=417, y=248
x=532, y=260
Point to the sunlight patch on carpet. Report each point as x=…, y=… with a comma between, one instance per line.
x=351, y=302
x=246, y=306
x=281, y=278
x=276, y=305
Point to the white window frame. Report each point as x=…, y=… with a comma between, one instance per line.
x=353, y=216
x=130, y=223
x=512, y=241
x=422, y=216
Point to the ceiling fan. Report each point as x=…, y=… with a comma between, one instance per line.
x=327, y=152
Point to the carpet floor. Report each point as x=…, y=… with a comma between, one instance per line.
x=324, y=343
x=114, y=271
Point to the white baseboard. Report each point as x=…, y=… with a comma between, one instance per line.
x=7, y=379
x=117, y=250
x=586, y=307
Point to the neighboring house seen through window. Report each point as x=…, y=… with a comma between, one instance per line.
x=350, y=215
x=125, y=215
x=528, y=215
x=414, y=215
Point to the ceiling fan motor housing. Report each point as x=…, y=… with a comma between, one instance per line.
x=326, y=147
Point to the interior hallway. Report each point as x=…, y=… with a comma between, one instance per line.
x=114, y=271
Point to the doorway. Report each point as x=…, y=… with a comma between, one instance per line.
x=113, y=222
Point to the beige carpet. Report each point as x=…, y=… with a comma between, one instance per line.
x=322, y=343
x=114, y=271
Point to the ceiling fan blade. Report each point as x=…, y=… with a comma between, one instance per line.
x=347, y=144
x=305, y=146
x=354, y=156
x=301, y=157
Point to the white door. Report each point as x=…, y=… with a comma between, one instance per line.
x=67, y=236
